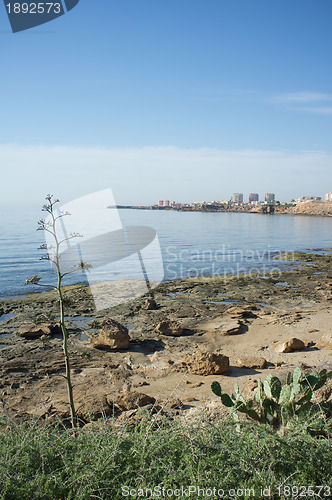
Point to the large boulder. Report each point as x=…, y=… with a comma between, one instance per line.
x=112, y=335
x=34, y=331
x=290, y=345
x=206, y=363
x=325, y=342
x=170, y=328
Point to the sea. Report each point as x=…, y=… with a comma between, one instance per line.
x=192, y=244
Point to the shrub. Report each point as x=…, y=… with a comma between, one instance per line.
x=279, y=405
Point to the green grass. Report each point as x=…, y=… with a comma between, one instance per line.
x=40, y=461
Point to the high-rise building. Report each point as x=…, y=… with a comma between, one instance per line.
x=237, y=198
x=270, y=197
x=166, y=204
x=253, y=197
x=328, y=196
x=160, y=203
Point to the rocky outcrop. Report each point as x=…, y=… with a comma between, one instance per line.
x=34, y=331
x=112, y=335
x=31, y=372
x=290, y=345
x=205, y=363
x=170, y=328
x=312, y=208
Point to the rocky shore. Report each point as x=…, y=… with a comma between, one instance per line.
x=165, y=356
x=314, y=208
x=318, y=208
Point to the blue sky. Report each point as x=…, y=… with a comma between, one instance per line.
x=186, y=100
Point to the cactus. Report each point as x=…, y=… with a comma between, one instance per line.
x=277, y=405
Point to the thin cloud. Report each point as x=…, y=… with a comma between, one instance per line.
x=303, y=97
x=145, y=175
x=318, y=110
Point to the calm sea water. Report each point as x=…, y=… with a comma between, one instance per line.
x=192, y=244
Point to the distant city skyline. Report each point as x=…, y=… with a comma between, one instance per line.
x=187, y=100
x=253, y=198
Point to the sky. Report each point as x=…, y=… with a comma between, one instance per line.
x=185, y=100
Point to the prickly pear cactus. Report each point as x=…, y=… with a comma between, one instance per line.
x=276, y=404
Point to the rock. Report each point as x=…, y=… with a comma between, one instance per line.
x=34, y=331
x=324, y=394
x=150, y=305
x=232, y=328
x=112, y=335
x=206, y=363
x=290, y=345
x=130, y=400
x=251, y=362
x=129, y=419
x=93, y=406
x=186, y=312
x=40, y=410
x=88, y=407
x=140, y=384
x=242, y=312
x=304, y=366
x=251, y=386
x=170, y=328
x=174, y=404
x=196, y=385
x=325, y=342
x=262, y=348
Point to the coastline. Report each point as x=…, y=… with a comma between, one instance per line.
x=258, y=313
x=318, y=209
